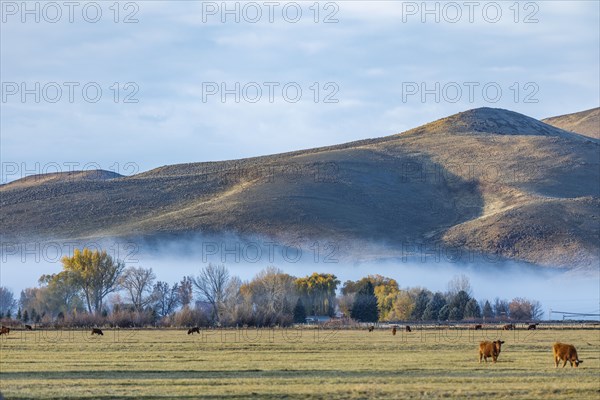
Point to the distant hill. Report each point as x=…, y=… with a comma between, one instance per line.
x=489, y=181
x=585, y=122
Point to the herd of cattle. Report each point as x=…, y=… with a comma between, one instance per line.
x=562, y=351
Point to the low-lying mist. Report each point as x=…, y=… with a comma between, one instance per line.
x=171, y=259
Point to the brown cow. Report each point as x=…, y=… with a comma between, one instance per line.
x=4, y=330
x=478, y=327
x=408, y=328
x=194, y=329
x=532, y=327
x=508, y=327
x=28, y=328
x=371, y=328
x=394, y=331
x=490, y=349
x=565, y=352
x=97, y=331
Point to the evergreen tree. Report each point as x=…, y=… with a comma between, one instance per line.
x=433, y=308
x=488, y=312
x=25, y=316
x=33, y=315
x=19, y=315
x=364, y=308
x=8, y=314
x=459, y=301
x=472, y=309
x=444, y=312
x=299, y=312
x=420, y=305
x=455, y=314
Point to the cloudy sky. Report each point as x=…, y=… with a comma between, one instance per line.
x=150, y=83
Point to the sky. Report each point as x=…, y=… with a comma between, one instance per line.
x=135, y=85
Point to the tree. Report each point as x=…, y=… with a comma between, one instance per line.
x=459, y=302
x=364, y=308
x=95, y=273
x=421, y=301
x=402, y=306
x=19, y=314
x=488, y=312
x=524, y=309
x=385, y=288
x=472, y=310
x=186, y=291
x=7, y=300
x=433, y=308
x=138, y=282
x=57, y=292
x=455, y=314
x=459, y=283
x=25, y=316
x=273, y=295
x=166, y=299
x=299, y=312
x=444, y=313
x=318, y=293
x=211, y=285
x=501, y=308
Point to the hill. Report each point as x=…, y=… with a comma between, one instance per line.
x=488, y=181
x=585, y=122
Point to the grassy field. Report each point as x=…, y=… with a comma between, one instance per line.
x=324, y=364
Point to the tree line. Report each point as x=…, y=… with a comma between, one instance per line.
x=95, y=289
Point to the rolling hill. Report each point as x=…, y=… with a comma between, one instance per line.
x=585, y=122
x=488, y=181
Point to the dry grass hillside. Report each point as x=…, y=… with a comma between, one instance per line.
x=487, y=180
x=585, y=122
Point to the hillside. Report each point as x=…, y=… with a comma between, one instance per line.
x=585, y=122
x=487, y=180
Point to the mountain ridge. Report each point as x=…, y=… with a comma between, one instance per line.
x=452, y=183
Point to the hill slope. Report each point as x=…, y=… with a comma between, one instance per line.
x=487, y=180
x=585, y=122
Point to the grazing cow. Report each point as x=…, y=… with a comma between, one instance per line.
x=4, y=330
x=97, y=331
x=194, y=329
x=508, y=327
x=490, y=349
x=371, y=328
x=532, y=327
x=28, y=328
x=478, y=327
x=565, y=352
x=394, y=331
x=408, y=328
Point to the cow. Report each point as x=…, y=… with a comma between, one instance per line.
x=28, y=328
x=532, y=327
x=194, y=329
x=478, y=327
x=394, y=331
x=4, y=330
x=97, y=331
x=508, y=327
x=408, y=328
x=371, y=328
x=490, y=349
x=565, y=352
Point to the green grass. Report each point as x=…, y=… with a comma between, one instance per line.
x=321, y=364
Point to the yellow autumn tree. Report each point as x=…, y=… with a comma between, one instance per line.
x=95, y=273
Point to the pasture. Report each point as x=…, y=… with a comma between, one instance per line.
x=307, y=363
